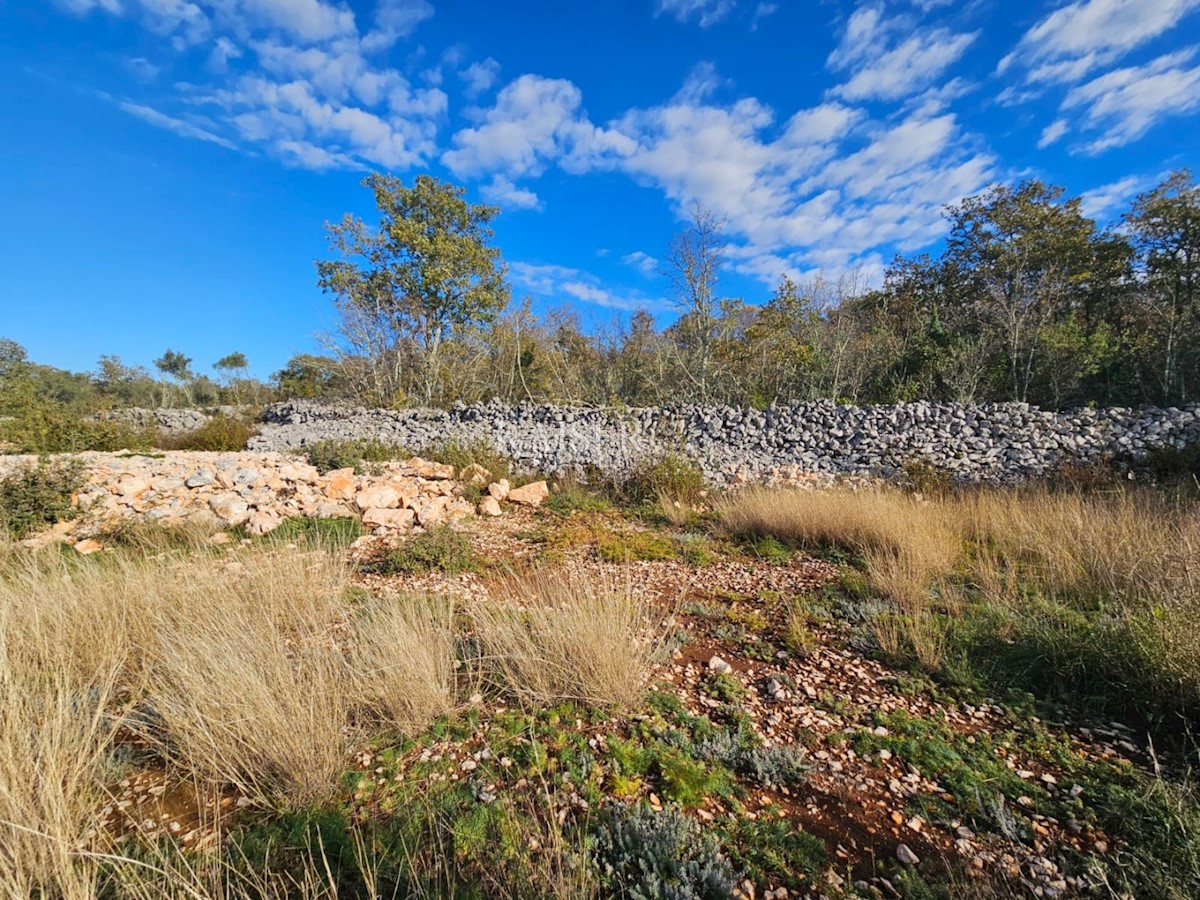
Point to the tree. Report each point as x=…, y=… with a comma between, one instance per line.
x=427, y=270
x=229, y=367
x=692, y=263
x=1165, y=225
x=1023, y=254
x=175, y=366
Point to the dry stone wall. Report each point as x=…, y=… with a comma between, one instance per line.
x=993, y=442
x=258, y=491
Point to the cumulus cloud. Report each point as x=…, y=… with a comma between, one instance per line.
x=535, y=121
x=1080, y=37
x=396, y=19
x=706, y=12
x=501, y=191
x=886, y=58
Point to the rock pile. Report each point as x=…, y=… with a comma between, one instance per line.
x=993, y=442
x=172, y=421
x=259, y=490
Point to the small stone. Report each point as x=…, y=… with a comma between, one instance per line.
x=200, y=479
x=716, y=664
x=397, y=519
x=220, y=537
x=905, y=854
x=88, y=546
x=499, y=489
x=489, y=506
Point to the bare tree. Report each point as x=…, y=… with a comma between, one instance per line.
x=692, y=263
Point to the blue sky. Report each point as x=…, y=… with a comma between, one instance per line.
x=167, y=165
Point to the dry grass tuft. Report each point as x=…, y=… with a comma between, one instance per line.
x=403, y=654
x=558, y=636
x=252, y=688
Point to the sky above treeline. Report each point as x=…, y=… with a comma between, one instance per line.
x=167, y=165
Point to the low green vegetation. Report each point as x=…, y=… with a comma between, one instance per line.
x=37, y=495
x=359, y=455
x=221, y=433
x=440, y=549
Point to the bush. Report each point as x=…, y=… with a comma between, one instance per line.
x=439, y=549
x=48, y=427
x=670, y=475
x=647, y=855
x=37, y=496
x=219, y=434
x=357, y=455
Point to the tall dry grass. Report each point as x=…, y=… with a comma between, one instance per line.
x=556, y=636
x=404, y=660
x=255, y=667
x=1137, y=552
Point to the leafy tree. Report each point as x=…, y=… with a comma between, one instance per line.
x=1165, y=226
x=176, y=366
x=1023, y=254
x=230, y=367
x=427, y=270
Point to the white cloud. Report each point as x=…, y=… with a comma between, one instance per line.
x=142, y=68
x=559, y=283
x=479, y=76
x=761, y=11
x=887, y=58
x=1100, y=202
x=501, y=191
x=707, y=12
x=1126, y=103
x=83, y=7
x=396, y=19
x=642, y=261
x=1077, y=38
x=308, y=20
x=223, y=51
x=534, y=122
x=1052, y=132
x=179, y=126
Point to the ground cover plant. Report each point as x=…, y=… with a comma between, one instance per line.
x=954, y=694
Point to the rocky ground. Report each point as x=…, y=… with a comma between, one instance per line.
x=257, y=492
x=863, y=777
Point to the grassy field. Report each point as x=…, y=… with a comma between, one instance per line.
x=639, y=694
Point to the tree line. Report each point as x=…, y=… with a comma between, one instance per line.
x=1029, y=300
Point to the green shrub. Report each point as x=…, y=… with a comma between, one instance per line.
x=49, y=427
x=37, y=496
x=439, y=549
x=325, y=533
x=219, y=434
x=357, y=455
x=925, y=478
x=647, y=855
x=669, y=475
